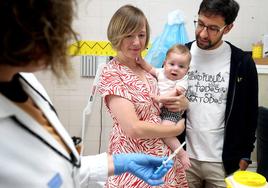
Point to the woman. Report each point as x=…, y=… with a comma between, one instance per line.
x=127, y=91
x=36, y=150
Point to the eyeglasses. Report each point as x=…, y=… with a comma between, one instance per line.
x=211, y=29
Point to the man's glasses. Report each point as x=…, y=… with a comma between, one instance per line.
x=211, y=29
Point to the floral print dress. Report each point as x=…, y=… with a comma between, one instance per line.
x=117, y=79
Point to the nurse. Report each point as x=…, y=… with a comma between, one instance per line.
x=36, y=150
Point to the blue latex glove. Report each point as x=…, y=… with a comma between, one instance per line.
x=143, y=166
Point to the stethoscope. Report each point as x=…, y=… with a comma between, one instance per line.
x=76, y=140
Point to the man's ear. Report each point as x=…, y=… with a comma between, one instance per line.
x=228, y=28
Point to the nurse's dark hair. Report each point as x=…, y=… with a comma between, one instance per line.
x=35, y=30
x=228, y=9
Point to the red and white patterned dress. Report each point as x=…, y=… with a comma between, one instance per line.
x=117, y=79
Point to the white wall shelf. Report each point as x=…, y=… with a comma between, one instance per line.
x=262, y=69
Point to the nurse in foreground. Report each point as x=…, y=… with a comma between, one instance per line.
x=36, y=150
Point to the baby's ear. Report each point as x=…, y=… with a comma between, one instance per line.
x=165, y=61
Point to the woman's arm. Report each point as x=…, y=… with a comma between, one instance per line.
x=124, y=112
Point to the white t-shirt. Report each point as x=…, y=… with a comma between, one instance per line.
x=208, y=80
x=165, y=84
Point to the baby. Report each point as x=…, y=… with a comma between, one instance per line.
x=172, y=81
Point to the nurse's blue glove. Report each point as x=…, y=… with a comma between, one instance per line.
x=143, y=166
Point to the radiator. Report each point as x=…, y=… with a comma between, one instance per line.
x=89, y=65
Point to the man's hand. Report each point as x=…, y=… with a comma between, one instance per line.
x=243, y=164
x=175, y=104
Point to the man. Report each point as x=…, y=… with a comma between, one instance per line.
x=223, y=96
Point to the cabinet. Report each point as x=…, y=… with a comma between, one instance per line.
x=261, y=61
x=262, y=65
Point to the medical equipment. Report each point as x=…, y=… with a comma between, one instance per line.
x=246, y=179
x=91, y=101
x=170, y=157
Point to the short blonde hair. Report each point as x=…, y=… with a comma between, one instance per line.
x=126, y=20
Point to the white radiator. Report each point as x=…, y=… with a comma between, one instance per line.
x=89, y=65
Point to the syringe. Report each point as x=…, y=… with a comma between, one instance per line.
x=170, y=157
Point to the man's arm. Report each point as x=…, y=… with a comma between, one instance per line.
x=252, y=111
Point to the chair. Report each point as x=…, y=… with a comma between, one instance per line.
x=262, y=142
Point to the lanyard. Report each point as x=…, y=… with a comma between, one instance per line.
x=73, y=160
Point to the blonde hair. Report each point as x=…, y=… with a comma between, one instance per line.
x=125, y=21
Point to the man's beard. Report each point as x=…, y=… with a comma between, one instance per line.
x=209, y=45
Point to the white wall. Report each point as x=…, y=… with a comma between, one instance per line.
x=91, y=22
x=94, y=15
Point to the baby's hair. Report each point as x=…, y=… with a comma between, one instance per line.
x=179, y=49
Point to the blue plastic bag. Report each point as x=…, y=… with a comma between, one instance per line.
x=174, y=33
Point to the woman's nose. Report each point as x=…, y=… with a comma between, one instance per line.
x=136, y=40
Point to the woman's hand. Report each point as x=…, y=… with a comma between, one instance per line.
x=175, y=104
